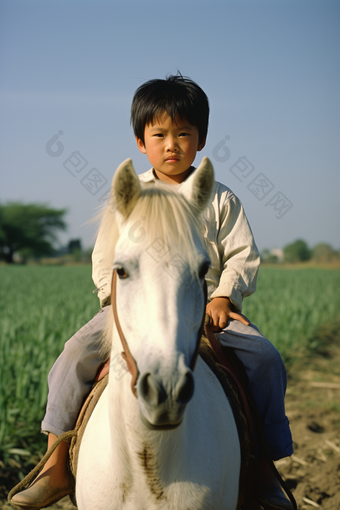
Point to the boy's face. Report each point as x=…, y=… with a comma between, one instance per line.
x=170, y=147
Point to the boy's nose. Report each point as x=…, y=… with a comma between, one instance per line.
x=171, y=145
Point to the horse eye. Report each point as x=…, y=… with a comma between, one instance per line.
x=121, y=272
x=204, y=269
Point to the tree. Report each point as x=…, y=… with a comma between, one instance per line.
x=28, y=229
x=323, y=252
x=74, y=245
x=297, y=251
x=74, y=248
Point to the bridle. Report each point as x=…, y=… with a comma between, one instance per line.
x=131, y=363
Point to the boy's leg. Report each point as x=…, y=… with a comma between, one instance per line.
x=53, y=483
x=267, y=382
x=71, y=377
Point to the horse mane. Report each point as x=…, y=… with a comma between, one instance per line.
x=165, y=215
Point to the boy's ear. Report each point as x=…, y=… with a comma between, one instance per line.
x=140, y=145
x=126, y=188
x=201, y=145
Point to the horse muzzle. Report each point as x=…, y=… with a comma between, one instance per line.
x=161, y=408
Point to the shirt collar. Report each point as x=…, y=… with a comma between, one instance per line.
x=150, y=176
x=147, y=176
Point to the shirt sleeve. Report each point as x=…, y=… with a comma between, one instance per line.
x=102, y=257
x=239, y=256
x=104, y=249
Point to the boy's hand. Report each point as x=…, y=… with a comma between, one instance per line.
x=220, y=310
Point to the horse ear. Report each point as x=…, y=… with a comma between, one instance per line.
x=202, y=184
x=126, y=188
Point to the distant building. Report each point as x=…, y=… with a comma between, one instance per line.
x=278, y=253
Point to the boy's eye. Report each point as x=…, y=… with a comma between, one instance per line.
x=184, y=134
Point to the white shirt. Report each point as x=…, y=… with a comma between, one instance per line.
x=229, y=241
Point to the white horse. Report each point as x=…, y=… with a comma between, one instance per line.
x=160, y=444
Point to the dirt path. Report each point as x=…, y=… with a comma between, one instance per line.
x=313, y=408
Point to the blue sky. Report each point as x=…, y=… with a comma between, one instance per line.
x=269, y=68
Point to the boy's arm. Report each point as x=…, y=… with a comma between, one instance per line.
x=240, y=262
x=102, y=257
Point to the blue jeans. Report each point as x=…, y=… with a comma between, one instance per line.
x=267, y=382
x=72, y=375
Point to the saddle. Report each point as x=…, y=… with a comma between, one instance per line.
x=83, y=418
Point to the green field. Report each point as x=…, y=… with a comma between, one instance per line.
x=290, y=305
x=41, y=307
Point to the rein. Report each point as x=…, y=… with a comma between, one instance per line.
x=131, y=362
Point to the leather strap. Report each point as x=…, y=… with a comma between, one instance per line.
x=131, y=363
x=225, y=363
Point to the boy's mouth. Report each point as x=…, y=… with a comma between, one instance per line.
x=172, y=158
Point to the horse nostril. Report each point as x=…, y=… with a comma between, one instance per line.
x=150, y=390
x=185, y=388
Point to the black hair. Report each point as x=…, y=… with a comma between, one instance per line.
x=177, y=95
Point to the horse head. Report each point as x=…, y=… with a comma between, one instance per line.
x=158, y=290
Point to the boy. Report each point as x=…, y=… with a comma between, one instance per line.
x=170, y=122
